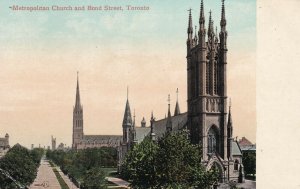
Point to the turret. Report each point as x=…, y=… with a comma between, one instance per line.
x=177, y=109
x=169, y=119
x=143, y=122
x=229, y=134
x=223, y=52
x=152, y=134
x=190, y=33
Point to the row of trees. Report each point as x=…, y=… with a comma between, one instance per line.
x=85, y=166
x=171, y=162
x=19, y=164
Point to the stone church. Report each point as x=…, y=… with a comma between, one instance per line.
x=208, y=117
x=4, y=145
x=82, y=141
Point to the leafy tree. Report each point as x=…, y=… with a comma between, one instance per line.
x=94, y=178
x=249, y=162
x=21, y=164
x=139, y=165
x=172, y=162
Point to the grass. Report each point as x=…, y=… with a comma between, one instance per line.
x=61, y=181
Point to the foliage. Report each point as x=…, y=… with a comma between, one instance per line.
x=21, y=164
x=172, y=162
x=138, y=166
x=78, y=164
x=94, y=178
x=249, y=162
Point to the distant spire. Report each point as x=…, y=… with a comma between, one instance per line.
x=202, y=32
x=152, y=134
x=133, y=124
x=133, y=129
x=77, y=101
x=127, y=120
x=223, y=19
x=229, y=125
x=177, y=109
x=143, y=122
x=169, y=119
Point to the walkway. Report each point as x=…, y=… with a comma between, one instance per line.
x=118, y=181
x=45, y=177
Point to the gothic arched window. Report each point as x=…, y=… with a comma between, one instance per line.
x=212, y=140
x=236, y=165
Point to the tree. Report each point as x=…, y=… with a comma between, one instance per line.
x=21, y=164
x=94, y=178
x=249, y=162
x=172, y=162
x=139, y=165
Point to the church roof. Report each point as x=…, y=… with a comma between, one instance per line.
x=178, y=123
x=102, y=139
x=236, y=151
x=141, y=133
x=159, y=127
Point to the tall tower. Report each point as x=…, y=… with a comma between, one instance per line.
x=77, y=119
x=53, y=143
x=207, y=96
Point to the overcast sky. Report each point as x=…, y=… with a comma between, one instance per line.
x=40, y=53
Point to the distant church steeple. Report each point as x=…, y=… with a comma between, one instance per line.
x=77, y=118
x=177, y=109
x=169, y=119
x=127, y=121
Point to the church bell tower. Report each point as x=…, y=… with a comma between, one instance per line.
x=207, y=83
x=77, y=119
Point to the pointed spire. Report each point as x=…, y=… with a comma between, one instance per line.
x=77, y=101
x=190, y=28
x=210, y=26
x=169, y=119
x=177, y=109
x=229, y=125
x=202, y=18
x=152, y=134
x=127, y=120
x=223, y=19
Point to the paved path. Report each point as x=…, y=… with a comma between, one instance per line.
x=118, y=182
x=45, y=177
x=66, y=179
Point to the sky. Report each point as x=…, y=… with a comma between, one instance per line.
x=41, y=52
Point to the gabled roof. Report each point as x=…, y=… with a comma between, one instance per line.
x=178, y=123
x=236, y=151
x=159, y=127
x=245, y=142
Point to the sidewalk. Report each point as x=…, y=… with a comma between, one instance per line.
x=45, y=177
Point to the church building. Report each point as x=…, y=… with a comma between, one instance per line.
x=208, y=118
x=82, y=141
